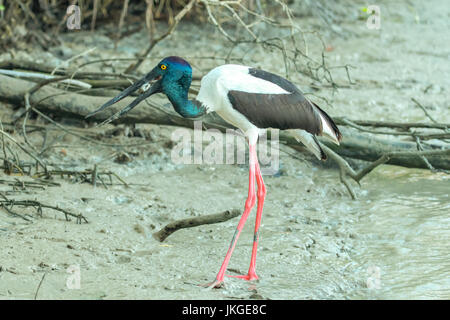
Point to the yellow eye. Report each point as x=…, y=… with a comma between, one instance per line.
x=164, y=67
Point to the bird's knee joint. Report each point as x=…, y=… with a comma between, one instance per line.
x=262, y=191
x=250, y=203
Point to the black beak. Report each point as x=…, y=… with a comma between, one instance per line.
x=155, y=88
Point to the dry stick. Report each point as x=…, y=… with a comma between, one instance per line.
x=425, y=160
x=76, y=134
x=121, y=20
x=84, y=82
x=32, y=184
x=160, y=8
x=24, y=149
x=170, y=12
x=17, y=161
x=6, y=162
x=39, y=286
x=149, y=21
x=217, y=24
x=83, y=174
x=39, y=67
x=38, y=205
x=155, y=41
x=117, y=177
x=412, y=134
x=423, y=109
x=15, y=214
x=28, y=107
x=33, y=75
x=94, y=14
x=71, y=132
x=393, y=124
x=25, y=118
x=44, y=83
x=101, y=180
x=162, y=234
x=37, y=127
x=94, y=176
x=108, y=83
x=236, y=16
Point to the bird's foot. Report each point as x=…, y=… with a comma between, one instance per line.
x=219, y=283
x=249, y=277
x=216, y=284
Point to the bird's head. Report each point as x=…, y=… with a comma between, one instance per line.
x=171, y=76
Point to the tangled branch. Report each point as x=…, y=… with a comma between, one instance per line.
x=9, y=204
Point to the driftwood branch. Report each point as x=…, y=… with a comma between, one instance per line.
x=345, y=170
x=392, y=124
x=41, y=70
x=162, y=234
x=366, y=147
x=34, y=75
x=407, y=133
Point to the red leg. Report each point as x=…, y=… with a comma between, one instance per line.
x=249, y=204
x=261, y=196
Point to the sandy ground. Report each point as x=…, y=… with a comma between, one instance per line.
x=315, y=242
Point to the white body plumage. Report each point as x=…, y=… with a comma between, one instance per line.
x=220, y=81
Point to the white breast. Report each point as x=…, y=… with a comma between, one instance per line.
x=219, y=81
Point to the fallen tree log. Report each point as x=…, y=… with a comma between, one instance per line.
x=73, y=105
x=370, y=148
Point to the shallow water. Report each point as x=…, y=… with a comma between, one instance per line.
x=405, y=234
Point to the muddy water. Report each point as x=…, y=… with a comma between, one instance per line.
x=315, y=242
x=404, y=229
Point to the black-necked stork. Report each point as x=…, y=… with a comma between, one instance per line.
x=251, y=100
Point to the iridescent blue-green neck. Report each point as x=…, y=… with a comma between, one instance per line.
x=187, y=108
x=176, y=88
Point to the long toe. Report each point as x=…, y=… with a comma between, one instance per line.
x=216, y=284
x=248, y=277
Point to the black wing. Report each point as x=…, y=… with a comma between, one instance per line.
x=282, y=111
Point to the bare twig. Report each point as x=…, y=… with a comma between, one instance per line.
x=94, y=14
x=8, y=204
x=423, y=109
x=169, y=31
x=411, y=134
x=23, y=148
x=33, y=75
x=122, y=19
x=39, y=286
x=391, y=124
x=88, y=175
